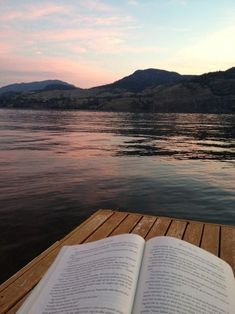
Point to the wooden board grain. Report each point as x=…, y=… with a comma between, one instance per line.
x=177, y=229
x=127, y=225
x=219, y=240
x=159, y=228
x=108, y=227
x=227, y=245
x=16, y=307
x=210, y=238
x=144, y=225
x=193, y=233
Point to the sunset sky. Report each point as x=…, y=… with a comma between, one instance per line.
x=93, y=42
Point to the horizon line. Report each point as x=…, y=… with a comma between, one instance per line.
x=57, y=79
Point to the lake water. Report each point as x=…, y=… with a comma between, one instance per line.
x=58, y=167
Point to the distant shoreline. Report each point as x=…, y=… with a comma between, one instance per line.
x=117, y=111
x=150, y=90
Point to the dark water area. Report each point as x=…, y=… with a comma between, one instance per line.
x=58, y=167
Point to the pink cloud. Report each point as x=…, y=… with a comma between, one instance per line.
x=77, y=49
x=103, y=21
x=5, y=48
x=109, y=35
x=62, y=52
x=98, y=41
x=96, y=5
x=37, y=11
x=95, y=40
x=80, y=41
x=113, y=20
x=72, y=34
x=45, y=10
x=33, y=12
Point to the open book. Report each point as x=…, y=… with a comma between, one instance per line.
x=124, y=274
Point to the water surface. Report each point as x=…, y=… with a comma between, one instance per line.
x=58, y=167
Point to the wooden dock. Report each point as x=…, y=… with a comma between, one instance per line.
x=217, y=239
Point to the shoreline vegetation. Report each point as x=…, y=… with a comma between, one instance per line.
x=148, y=90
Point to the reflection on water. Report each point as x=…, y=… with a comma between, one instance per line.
x=57, y=167
x=181, y=136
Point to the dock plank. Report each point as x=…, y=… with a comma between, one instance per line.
x=177, y=229
x=108, y=227
x=159, y=228
x=193, y=233
x=144, y=225
x=210, y=238
x=16, y=307
x=127, y=225
x=227, y=245
x=217, y=239
x=100, y=217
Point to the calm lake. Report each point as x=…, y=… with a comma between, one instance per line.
x=58, y=167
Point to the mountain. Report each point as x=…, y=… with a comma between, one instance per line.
x=142, y=79
x=144, y=90
x=220, y=82
x=36, y=86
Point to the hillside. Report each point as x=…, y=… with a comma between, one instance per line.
x=144, y=90
x=35, y=86
x=142, y=79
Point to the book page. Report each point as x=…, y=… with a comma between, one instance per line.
x=177, y=277
x=98, y=277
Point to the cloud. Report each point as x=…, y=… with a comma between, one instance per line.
x=81, y=40
x=97, y=6
x=81, y=31
x=5, y=48
x=93, y=40
x=87, y=13
x=112, y=20
x=76, y=48
x=33, y=12
x=75, y=33
x=86, y=26
x=45, y=10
